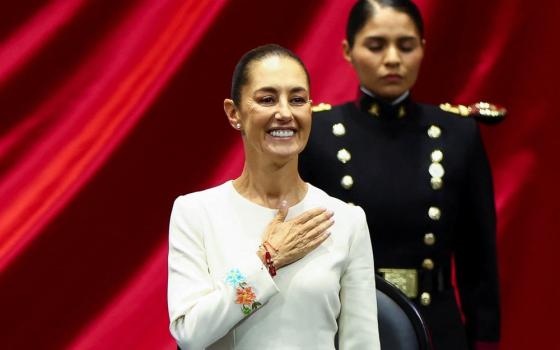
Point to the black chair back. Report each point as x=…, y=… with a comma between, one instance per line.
x=401, y=326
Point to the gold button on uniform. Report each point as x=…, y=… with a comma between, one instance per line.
x=374, y=110
x=425, y=299
x=434, y=213
x=436, y=170
x=437, y=156
x=428, y=264
x=347, y=182
x=338, y=129
x=434, y=132
x=429, y=239
x=402, y=112
x=343, y=156
x=436, y=182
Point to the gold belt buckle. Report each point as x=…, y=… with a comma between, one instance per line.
x=404, y=279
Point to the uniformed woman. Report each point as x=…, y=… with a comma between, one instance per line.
x=421, y=174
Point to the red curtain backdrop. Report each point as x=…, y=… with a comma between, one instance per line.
x=110, y=109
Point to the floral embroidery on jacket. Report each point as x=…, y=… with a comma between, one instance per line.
x=245, y=294
x=235, y=277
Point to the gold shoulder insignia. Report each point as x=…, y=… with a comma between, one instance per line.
x=484, y=112
x=321, y=107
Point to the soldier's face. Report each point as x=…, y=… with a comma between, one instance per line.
x=387, y=53
x=275, y=110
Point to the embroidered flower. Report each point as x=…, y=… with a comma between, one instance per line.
x=246, y=298
x=235, y=277
x=245, y=294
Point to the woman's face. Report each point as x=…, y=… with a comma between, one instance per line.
x=387, y=53
x=274, y=111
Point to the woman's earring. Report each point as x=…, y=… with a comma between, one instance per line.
x=238, y=126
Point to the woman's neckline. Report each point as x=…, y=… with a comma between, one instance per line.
x=249, y=202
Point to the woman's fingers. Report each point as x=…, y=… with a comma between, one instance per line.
x=308, y=215
x=297, y=237
x=316, y=221
x=314, y=243
x=319, y=229
x=300, y=227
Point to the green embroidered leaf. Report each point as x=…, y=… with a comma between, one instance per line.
x=256, y=305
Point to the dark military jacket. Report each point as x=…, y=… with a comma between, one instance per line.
x=422, y=176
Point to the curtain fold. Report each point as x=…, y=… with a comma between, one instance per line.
x=93, y=112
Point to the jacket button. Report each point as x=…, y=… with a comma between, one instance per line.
x=436, y=182
x=434, y=213
x=437, y=156
x=374, y=110
x=338, y=129
x=428, y=264
x=434, y=132
x=344, y=156
x=425, y=299
x=429, y=239
x=347, y=182
x=436, y=170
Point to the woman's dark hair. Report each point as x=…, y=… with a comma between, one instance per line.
x=363, y=10
x=241, y=72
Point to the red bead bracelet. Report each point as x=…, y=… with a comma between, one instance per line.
x=268, y=262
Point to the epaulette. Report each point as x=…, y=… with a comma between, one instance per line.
x=484, y=112
x=321, y=107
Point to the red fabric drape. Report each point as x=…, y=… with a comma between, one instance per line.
x=110, y=109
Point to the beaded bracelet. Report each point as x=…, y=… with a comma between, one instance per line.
x=268, y=260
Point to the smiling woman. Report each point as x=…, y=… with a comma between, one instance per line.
x=263, y=247
x=279, y=87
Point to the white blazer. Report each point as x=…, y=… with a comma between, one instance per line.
x=221, y=296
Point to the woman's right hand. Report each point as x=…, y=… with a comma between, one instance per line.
x=293, y=239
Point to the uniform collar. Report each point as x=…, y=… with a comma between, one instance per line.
x=380, y=108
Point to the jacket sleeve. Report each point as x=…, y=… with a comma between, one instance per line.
x=475, y=254
x=203, y=309
x=358, y=316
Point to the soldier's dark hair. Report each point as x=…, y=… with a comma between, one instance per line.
x=241, y=72
x=363, y=10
